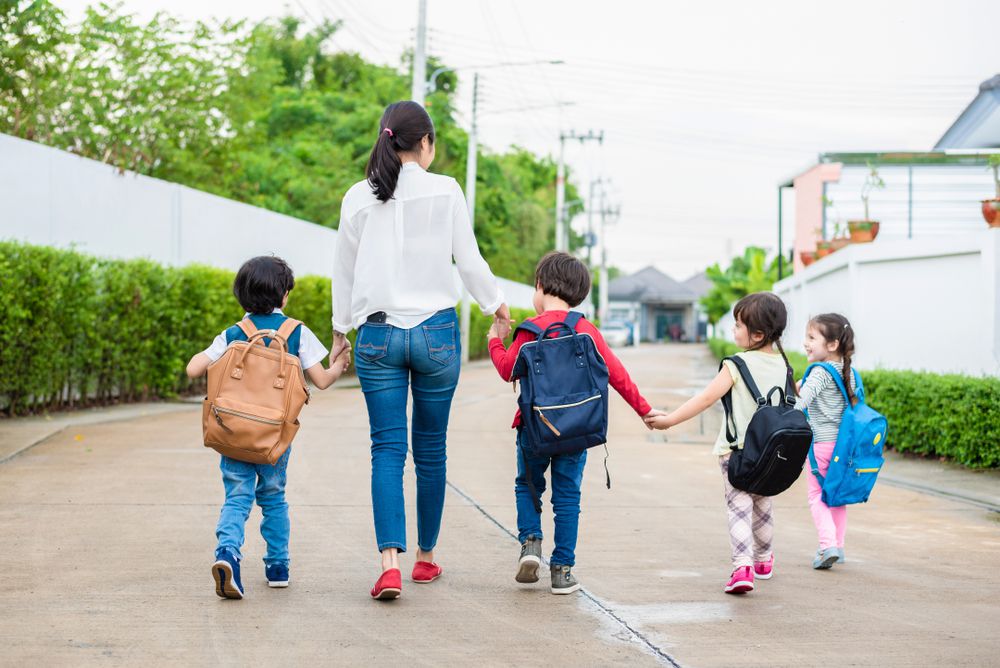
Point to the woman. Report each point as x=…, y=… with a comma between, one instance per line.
x=393, y=280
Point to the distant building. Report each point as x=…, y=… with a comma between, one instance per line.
x=659, y=307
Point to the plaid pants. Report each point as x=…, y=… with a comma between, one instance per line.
x=751, y=524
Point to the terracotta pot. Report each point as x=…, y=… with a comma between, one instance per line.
x=991, y=211
x=863, y=231
x=807, y=257
x=823, y=249
x=841, y=242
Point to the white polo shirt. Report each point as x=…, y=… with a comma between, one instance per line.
x=311, y=351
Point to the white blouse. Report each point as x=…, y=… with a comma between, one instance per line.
x=396, y=256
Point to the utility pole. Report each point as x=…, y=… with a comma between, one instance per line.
x=602, y=296
x=590, y=220
x=419, y=83
x=470, y=199
x=562, y=230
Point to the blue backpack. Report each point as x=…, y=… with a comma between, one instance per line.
x=564, y=389
x=857, y=456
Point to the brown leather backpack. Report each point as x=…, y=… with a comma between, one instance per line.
x=255, y=393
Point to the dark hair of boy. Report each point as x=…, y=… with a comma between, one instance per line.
x=561, y=275
x=403, y=125
x=261, y=284
x=835, y=327
x=764, y=313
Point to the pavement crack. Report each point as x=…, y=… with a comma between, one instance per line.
x=603, y=607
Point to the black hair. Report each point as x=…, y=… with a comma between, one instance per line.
x=562, y=275
x=402, y=127
x=835, y=327
x=261, y=283
x=764, y=313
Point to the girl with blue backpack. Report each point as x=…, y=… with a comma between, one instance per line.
x=847, y=433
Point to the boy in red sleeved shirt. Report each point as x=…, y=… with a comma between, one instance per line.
x=561, y=282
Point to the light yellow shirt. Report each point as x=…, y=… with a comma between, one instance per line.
x=768, y=370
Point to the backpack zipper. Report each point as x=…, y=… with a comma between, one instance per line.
x=593, y=398
x=228, y=411
x=548, y=424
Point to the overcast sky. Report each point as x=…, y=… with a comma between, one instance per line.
x=705, y=107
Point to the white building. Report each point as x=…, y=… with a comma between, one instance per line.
x=661, y=308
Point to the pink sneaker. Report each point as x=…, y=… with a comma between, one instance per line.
x=741, y=582
x=763, y=570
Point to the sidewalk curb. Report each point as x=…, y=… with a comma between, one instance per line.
x=941, y=493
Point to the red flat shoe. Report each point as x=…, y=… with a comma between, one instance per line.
x=389, y=585
x=426, y=571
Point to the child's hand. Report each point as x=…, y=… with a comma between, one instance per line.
x=494, y=332
x=655, y=419
x=344, y=360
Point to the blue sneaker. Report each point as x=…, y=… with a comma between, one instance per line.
x=825, y=558
x=277, y=575
x=840, y=556
x=226, y=571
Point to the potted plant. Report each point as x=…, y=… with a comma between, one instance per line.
x=839, y=240
x=807, y=257
x=863, y=231
x=823, y=248
x=991, y=207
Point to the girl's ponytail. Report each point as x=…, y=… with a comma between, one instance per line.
x=403, y=126
x=765, y=313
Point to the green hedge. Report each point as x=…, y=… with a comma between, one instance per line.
x=82, y=330
x=951, y=415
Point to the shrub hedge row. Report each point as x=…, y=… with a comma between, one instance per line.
x=83, y=330
x=942, y=415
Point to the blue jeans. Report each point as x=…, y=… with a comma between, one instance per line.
x=567, y=474
x=390, y=360
x=245, y=482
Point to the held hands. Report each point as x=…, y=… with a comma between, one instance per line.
x=501, y=323
x=341, y=348
x=657, y=419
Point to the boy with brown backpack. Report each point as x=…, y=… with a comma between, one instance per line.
x=256, y=388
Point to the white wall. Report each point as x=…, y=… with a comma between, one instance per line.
x=54, y=198
x=923, y=304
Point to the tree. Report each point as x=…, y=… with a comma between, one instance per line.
x=746, y=274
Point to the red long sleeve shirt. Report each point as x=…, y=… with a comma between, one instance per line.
x=618, y=378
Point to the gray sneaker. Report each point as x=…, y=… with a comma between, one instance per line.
x=840, y=556
x=531, y=559
x=563, y=581
x=825, y=558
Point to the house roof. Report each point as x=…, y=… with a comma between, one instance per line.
x=650, y=285
x=979, y=125
x=699, y=284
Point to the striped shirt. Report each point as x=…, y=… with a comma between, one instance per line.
x=825, y=402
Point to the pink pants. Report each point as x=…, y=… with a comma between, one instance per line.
x=831, y=523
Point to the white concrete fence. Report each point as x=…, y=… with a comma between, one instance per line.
x=54, y=198
x=923, y=304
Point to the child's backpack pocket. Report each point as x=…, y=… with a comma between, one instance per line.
x=570, y=415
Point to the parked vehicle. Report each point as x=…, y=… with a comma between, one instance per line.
x=617, y=333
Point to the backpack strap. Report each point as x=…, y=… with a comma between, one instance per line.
x=727, y=398
x=285, y=331
x=246, y=324
x=832, y=370
x=572, y=318
x=814, y=466
x=529, y=327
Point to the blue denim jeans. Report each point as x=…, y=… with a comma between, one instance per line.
x=244, y=483
x=390, y=361
x=567, y=474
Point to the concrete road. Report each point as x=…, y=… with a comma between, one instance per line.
x=107, y=535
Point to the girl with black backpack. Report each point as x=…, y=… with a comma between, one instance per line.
x=760, y=321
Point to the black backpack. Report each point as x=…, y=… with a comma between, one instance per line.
x=776, y=442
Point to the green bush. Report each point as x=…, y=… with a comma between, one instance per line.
x=83, y=330
x=950, y=415
x=932, y=414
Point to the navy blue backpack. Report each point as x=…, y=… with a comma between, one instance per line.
x=857, y=456
x=564, y=389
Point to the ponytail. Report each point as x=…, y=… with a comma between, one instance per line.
x=403, y=126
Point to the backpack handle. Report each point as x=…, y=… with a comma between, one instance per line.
x=258, y=337
x=581, y=360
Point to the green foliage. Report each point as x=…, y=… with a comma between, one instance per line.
x=746, y=274
x=722, y=348
x=267, y=114
x=84, y=330
x=479, y=326
x=950, y=415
